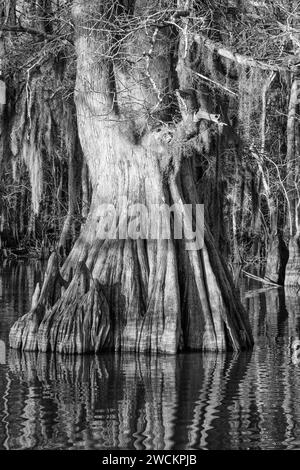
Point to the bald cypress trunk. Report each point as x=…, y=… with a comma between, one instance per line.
x=292, y=277
x=142, y=295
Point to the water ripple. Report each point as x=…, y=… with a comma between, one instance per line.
x=193, y=401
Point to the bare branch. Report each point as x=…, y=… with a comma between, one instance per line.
x=238, y=58
x=22, y=29
x=215, y=83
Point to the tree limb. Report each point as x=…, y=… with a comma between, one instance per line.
x=215, y=83
x=238, y=58
x=22, y=29
x=32, y=31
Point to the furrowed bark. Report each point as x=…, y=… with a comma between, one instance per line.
x=292, y=277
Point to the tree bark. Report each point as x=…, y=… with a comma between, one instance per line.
x=292, y=277
x=68, y=233
x=140, y=295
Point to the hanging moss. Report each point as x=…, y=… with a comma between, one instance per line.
x=250, y=83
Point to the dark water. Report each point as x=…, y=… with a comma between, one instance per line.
x=192, y=401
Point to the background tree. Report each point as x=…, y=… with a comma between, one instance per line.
x=41, y=150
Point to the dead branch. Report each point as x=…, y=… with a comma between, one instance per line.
x=22, y=29
x=238, y=58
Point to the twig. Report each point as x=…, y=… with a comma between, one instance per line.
x=260, y=279
x=148, y=56
x=22, y=29
x=215, y=83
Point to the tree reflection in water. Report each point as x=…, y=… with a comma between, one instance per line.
x=112, y=401
x=208, y=401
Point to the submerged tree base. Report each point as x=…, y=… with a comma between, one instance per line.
x=82, y=321
x=136, y=296
x=277, y=258
x=292, y=275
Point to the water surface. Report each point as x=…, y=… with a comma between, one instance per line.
x=192, y=401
